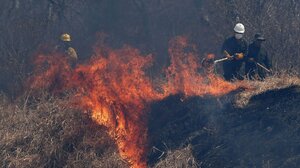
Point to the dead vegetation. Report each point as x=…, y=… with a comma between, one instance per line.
x=178, y=158
x=278, y=81
x=45, y=133
x=198, y=132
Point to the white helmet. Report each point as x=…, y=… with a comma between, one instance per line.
x=239, y=28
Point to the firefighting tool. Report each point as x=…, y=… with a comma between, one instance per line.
x=260, y=65
x=263, y=67
x=237, y=56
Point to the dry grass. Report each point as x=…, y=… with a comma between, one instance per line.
x=279, y=81
x=178, y=158
x=46, y=133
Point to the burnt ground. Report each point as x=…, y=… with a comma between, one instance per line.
x=263, y=133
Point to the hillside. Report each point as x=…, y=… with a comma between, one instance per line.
x=144, y=91
x=193, y=132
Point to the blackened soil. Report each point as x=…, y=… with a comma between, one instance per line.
x=265, y=133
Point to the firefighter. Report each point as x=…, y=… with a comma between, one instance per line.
x=257, y=60
x=65, y=47
x=234, y=48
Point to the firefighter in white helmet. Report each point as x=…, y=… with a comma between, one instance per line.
x=65, y=47
x=234, y=48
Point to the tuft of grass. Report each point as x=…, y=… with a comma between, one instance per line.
x=178, y=158
x=278, y=81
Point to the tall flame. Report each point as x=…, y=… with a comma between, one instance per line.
x=115, y=89
x=183, y=75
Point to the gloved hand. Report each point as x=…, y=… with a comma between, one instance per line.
x=229, y=57
x=251, y=59
x=239, y=56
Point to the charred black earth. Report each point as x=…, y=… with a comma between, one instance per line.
x=264, y=133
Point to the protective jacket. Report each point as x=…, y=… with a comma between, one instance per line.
x=232, y=67
x=70, y=52
x=256, y=55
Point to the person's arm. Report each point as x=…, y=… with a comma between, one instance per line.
x=243, y=51
x=72, y=54
x=224, y=48
x=225, y=51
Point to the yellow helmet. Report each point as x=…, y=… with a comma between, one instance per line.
x=65, y=37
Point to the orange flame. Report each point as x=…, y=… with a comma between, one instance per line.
x=51, y=72
x=114, y=88
x=183, y=73
x=117, y=92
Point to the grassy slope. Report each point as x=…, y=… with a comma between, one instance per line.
x=204, y=132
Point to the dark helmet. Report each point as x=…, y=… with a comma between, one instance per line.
x=259, y=37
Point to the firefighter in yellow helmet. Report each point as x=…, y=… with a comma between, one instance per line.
x=66, y=48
